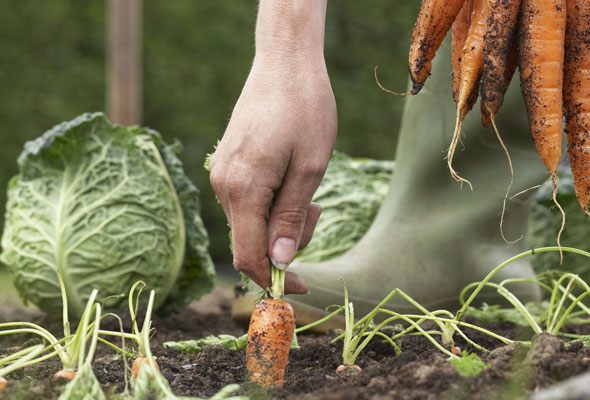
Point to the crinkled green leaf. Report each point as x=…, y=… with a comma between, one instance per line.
x=350, y=195
x=104, y=205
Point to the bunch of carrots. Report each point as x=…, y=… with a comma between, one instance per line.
x=549, y=41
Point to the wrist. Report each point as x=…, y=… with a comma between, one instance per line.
x=290, y=32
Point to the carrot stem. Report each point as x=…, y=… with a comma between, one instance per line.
x=277, y=278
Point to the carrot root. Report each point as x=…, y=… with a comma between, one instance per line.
x=509, y=187
x=3, y=384
x=555, y=182
x=270, y=334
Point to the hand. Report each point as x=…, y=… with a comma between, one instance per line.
x=271, y=160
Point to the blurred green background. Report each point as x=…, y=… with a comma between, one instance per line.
x=196, y=56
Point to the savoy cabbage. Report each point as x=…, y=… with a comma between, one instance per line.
x=104, y=205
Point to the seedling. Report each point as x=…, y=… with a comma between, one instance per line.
x=563, y=300
x=68, y=349
x=141, y=338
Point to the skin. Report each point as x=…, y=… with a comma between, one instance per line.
x=278, y=142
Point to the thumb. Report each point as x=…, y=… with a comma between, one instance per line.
x=288, y=214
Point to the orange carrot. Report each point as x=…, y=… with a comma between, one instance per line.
x=64, y=376
x=270, y=333
x=497, y=93
x=471, y=69
x=3, y=384
x=459, y=35
x=139, y=362
x=498, y=65
x=432, y=24
x=577, y=96
x=541, y=54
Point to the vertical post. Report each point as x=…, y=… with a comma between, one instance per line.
x=124, y=61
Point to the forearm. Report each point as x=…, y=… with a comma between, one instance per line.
x=290, y=31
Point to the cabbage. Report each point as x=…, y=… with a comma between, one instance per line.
x=350, y=195
x=544, y=223
x=105, y=206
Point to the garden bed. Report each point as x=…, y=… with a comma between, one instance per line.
x=419, y=372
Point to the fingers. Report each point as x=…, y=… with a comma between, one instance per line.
x=313, y=214
x=289, y=213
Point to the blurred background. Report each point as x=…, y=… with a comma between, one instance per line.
x=194, y=57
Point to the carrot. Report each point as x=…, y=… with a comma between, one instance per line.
x=64, y=376
x=541, y=55
x=499, y=62
x=269, y=339
x=488, y=100
x=432, y=24
x=139, y=362
x=3, y=384
x=471, y=69
x=459, y=35
x=577, y=96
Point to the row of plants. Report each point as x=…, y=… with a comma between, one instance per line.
x=564, y=307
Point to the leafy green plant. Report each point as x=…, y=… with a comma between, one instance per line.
x=469, y=364
x=103, y=205
x=69, y=349
x=85, y=385
x=566, y=294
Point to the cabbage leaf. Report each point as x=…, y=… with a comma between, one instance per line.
x=106, y=206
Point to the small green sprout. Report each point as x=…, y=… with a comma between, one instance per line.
x=469, y=364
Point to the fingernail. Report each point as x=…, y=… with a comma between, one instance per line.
x=283, y=252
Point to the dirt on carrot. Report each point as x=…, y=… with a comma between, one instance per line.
x=432, y=24
x=577, y=96
x=270, y=334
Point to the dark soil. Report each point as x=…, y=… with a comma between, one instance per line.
x=419, y=372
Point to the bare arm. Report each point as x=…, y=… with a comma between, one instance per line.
x=278, y=142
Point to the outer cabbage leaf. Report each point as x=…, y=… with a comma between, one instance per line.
x=350, y=195
x=544, y=223
x=104, y=205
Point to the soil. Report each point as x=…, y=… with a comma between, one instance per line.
x=419, y=372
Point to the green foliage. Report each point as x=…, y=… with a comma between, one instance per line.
x=104, y=206
x=196, y=346
x=469, y=364
x=493, y=314
x=350, y=195
x=544, y=224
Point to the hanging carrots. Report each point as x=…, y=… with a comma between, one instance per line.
x=499, y=55
x=577, y=96
x=541, y=53
x=471, y=69
x=490, y=38
x=434, y=21
x=458, y=37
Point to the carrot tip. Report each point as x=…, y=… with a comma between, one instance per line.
x=416, y=87
x=63, y=376
x=139, y=363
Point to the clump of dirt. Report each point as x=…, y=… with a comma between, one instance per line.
x=419, y=372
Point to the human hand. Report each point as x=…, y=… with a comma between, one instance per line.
x=271, y=160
